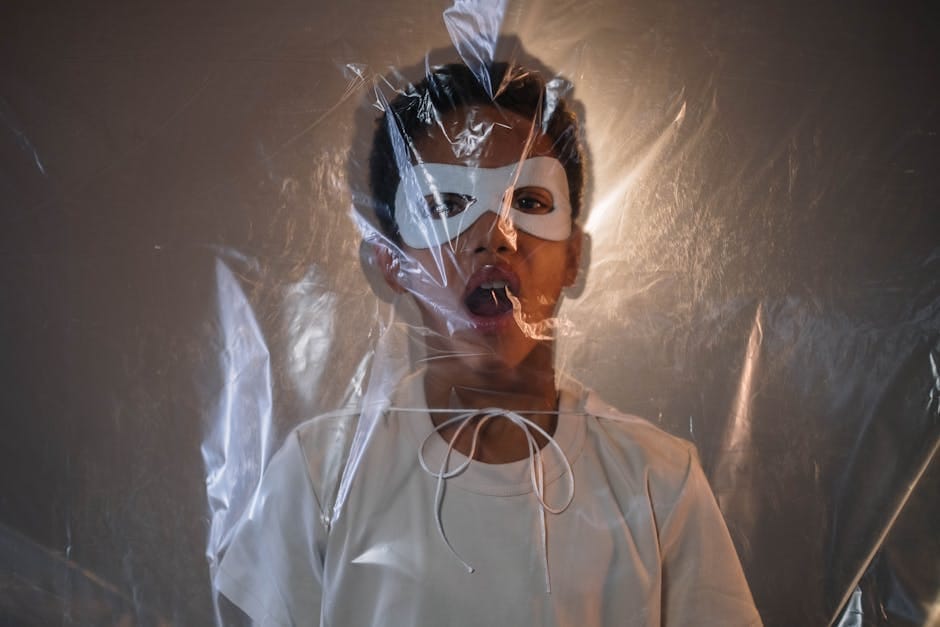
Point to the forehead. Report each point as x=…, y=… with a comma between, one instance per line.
x=481, y=136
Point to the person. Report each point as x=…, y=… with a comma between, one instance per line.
x=488, y=489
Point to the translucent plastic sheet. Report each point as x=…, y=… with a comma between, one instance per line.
x=185, y=283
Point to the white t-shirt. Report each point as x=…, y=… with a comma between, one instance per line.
x=642, y=543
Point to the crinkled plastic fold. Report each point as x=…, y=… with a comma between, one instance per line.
x=481, y=313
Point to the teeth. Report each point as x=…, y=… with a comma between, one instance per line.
x=493, y=285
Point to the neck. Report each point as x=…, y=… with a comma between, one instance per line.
x=528, y=387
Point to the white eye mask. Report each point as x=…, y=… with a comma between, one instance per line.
x=485, y=190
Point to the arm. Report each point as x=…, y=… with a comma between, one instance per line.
x=273, y=569
x=703, y=583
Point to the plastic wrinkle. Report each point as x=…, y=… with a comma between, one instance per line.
x=235, y=449
x=474, y=26
x=227, y=225
x=21, y=138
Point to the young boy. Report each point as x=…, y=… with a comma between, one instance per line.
x=485, y=492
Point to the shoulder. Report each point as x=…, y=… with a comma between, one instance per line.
x=636, y=433
x=651, y=458
x=324, y=435
x=320, y=447
x=647, y=460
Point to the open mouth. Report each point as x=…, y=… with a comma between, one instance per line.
x=488, y=292
x=491, y=299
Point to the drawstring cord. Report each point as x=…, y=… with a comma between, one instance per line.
x=536, y=468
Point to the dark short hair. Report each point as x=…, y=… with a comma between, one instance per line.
x=449, y=87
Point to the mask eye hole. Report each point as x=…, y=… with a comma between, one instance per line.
x=533, y=200
x=447, y=204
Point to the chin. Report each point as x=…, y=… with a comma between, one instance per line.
x=487, y=346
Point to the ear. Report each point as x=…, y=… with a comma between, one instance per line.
x=575, y=241
x=388, y=262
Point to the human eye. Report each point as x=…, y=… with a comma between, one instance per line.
x=447, y=205
x=534, y=200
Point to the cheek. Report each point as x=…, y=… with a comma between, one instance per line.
x=426, y=271
x=440, y=281
x=548, y=280
x=548, y=261
x=438, y=289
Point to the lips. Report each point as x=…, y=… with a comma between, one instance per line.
x=487, y=296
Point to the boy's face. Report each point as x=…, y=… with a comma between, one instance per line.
x=487, y=295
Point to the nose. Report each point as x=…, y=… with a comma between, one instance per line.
x=492, y=233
